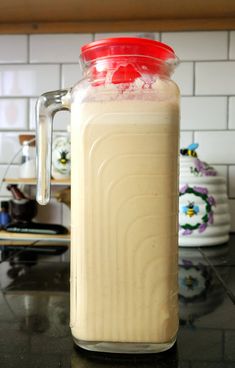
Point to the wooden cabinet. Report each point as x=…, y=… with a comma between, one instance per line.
x=92, y=16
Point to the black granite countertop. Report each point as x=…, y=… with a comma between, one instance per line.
x=34, y=313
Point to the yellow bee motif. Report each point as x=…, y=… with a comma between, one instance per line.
x=63, y=158
x=190, y=150
x=190, y=210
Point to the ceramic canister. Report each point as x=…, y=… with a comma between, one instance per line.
x=204, y=218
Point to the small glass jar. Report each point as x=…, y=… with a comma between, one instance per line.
x=28, y=160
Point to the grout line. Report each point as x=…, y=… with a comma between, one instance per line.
x=28, y=114
x=29, y=131
x=227, y=178
x=228, y=44
x=227, y=112
x=204, y=96
x=38, y=63
x=207, y=60
x=28, y=49
x=60, y=75
x=193, y=136
x=32, y=64
x=18, y=97
x=213, y=130
x=208, y=130
x=210, y=95
x=194, y=78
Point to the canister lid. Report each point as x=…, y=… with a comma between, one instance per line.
x=127, y=46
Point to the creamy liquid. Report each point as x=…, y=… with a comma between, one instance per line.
x=124, y=221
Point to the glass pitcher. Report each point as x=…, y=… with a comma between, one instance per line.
x=124, y=194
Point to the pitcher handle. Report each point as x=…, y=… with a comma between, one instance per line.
x=47, y=105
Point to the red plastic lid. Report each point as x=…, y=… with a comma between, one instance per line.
x=126, y=46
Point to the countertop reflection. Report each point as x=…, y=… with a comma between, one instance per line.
x=34, y=313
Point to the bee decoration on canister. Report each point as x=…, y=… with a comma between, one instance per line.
x=190, y=150
x=63, y=159
x=191, y=209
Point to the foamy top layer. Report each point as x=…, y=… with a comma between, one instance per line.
x=159, y=90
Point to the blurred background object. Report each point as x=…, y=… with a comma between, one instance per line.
x=28, y=157
x=204, y=217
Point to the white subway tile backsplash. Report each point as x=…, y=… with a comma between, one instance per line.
x=198, y=45
x=60, y=122
x=232, y=212
x=222, y=171
x=186, y=138
x=101, y=36
x=232, y=45
x=232, y=181
x=61, y=48
x=13, y=114
x=183, y=76
x=216, y=147
x=32, y=113
x=202, y=113
x=9, y=146
x=71, y=74
x=231, y=120
x=13, y=49
x=215, y=78
x=28, y=80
